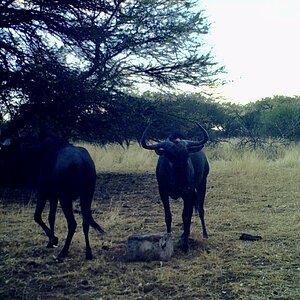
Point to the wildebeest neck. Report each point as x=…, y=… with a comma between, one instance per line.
x=21, y=162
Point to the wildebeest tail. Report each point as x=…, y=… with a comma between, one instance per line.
x=95, y=225
x=87, y=216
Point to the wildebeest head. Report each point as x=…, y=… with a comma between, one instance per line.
x=175, y=164
x=20, y=160
x=176, y=146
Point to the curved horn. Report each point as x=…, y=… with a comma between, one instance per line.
x=205, y=138
x=204, y=133
x=148, y=146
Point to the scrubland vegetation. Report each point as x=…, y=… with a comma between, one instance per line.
x=249, y=191
x=97, y=98
x=114, y=158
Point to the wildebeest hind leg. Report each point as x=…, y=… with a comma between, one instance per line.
x=86, y=227
x=40, y=205
x=67, y=207
x=53, y=240
x=201, y=197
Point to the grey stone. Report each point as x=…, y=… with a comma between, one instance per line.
x=150, y=247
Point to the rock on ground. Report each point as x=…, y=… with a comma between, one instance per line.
x=150, y=247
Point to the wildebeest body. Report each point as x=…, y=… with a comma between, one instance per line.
x=194, y=177
x=58, y=171
x=70, y=174
x=181, y=171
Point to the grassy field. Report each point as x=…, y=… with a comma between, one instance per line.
x=255, y=192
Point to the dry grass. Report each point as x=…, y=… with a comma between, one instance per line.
x=114, y=158
x=247, y=193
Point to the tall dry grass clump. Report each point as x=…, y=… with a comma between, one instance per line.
x=134, y=159
x=115, y=158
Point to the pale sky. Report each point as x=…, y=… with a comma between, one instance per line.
x=258, y=41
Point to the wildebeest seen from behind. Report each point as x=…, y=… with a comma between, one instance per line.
x=57, y=170
x=181, y=171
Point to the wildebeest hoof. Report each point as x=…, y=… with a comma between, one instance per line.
x=53, y=242
x=58, y=259
x=62, y=255
x=184, y=245
x=89, y=256
x=185, y=248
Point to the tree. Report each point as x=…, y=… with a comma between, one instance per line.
x=283, y=118
x=180, y=112
x=275, y=117
x=61, y=59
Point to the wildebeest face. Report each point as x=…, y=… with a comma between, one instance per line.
x=180, y=165
x=175, y=165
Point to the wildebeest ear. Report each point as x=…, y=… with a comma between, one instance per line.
x=195, y=149
x=160, y=151
x=6, y=143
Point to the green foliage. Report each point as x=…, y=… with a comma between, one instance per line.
x=167, y=113
x=73, y=66
x=61, y=61
x=283, y=119
x=276, y=117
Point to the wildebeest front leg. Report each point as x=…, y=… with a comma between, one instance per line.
x=67, y=207
x=186, y=218
x=53, y=240
x=168, y=215
x=40, y=205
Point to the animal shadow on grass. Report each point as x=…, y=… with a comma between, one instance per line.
x=196, y=246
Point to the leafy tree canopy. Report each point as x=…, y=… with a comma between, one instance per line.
x=61, y=60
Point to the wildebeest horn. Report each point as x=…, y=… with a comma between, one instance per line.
x=148, y=146
x=192, y=144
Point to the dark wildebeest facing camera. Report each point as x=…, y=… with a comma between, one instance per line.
x=181, y=171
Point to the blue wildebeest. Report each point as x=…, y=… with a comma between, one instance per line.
x=181, y=171
x=57, y=170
